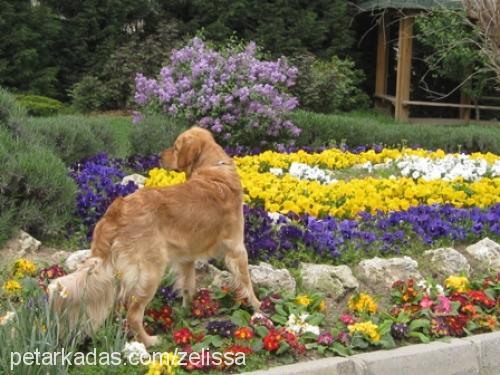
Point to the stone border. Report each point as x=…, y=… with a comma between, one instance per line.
x=479, y=354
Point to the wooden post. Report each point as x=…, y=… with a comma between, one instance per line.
x=465, y=112
x=382, y=58
x=403, y=80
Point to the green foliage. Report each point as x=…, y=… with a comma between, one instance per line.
x=453, y=49
x=37, y=105
x=155, y=133
x=329, y=86
x=281, y=27
x=361, y=130
x=36, y=190
x=73, y=138
x=88, y=95
x=145, y=55
x=12, y=114
x=27, y=59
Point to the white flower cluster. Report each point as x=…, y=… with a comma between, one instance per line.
x=448, y=168
x=298, y=325
x=428, y=287
x=306, y=172
x=134, y=351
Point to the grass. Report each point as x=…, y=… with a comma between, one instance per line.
x=121, y=126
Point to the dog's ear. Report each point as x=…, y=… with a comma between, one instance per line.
x=189, y=151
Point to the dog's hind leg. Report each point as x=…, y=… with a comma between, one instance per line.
x=187, y=282
x=236, y=260
x=138, y=298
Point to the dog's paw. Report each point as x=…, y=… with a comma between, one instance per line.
x=150, y=341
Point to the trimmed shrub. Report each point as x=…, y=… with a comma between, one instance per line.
x=155, y=133
x=39, y=105
x=36, y=192
x=88, y=94
x=73, y=138
x=329, y=86
x=362, y=130
x=12, y=115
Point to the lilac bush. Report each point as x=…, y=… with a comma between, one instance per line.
x=242, y=99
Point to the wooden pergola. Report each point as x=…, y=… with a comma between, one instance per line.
x=403, y=12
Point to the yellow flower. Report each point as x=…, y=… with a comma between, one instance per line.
x=166, y=365
x=12, y=287
x=362, y=302
x=322, y=305
x=23, y=267
x=459, y=283
x=303, y=300
x=345, y=199
x=368, y=329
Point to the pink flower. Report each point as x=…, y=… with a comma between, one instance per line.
x=347, y=319
x=426, y=302
x=444, y=306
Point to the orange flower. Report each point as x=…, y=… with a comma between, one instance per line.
x=243, y=333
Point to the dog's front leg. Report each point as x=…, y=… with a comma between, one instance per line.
x=187, y=282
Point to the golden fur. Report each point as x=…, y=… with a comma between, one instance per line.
x=141, y=234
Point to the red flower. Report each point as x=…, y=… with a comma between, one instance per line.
x=183, y=336
x=294, y=343
x=235, y=348
x=243, y=333
x=480, y=297
x=272, y=340
x=457, y=324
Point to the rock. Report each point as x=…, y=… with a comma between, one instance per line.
x=384, y=272
x=136, y=178
x=487, y=253
x=22, y=243
x=75, y=259
x=334, y=281
x=447, y=261
x=264, y=275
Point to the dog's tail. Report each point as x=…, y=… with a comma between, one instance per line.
x=88, y=294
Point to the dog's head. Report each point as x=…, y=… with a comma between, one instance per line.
x=186, y=151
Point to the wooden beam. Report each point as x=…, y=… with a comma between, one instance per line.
x=382, y=55
x=403, y=80
x=450, y=105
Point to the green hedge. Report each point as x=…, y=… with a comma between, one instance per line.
x=36, y=193
x=155, y=133
x=367, y=129
x=73, y=137
x=37, y=105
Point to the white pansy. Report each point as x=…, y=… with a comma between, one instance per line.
x=448, y=168
x=306, y=172
x=427, y=287
x=298, y=325
x=134, y=351
x=276, y=171
x=275, y=216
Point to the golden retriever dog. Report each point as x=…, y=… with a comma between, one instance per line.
x=142, y=233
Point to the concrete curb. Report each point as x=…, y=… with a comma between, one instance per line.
x=474, y=355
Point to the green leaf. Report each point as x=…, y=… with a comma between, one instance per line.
x=280, y=310
x=257, y=346
x=261, y=331
x=217, y=341
x=283, y=348
x=316, y=319
x=340, y=349
x=241, y=318
x=423, y=338
x=419, y=323
x=279, y=319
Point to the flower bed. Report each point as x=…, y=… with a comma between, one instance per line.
x=289, y=327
